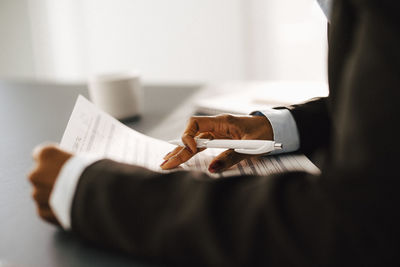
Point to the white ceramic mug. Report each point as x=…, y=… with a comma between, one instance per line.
x=119, y=94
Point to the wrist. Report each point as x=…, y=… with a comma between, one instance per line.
x=63, y=193
x=266, y=130
x=265, y=124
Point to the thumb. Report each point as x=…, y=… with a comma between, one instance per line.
x=225, y=160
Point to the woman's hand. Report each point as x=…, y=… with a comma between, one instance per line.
x=219, y=127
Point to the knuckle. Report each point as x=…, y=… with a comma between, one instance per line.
x=31, y=176
x=187, y=140
x=228, y=118
x=48, y=152
x=192, y=120
x=35, y=195
x=180, y=157
x=34, y=176
x=42, y=212
x=39, y=197
x=185, y=136
x=230, y=156
x=206, y=135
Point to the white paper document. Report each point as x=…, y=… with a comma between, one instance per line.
x=94, y=132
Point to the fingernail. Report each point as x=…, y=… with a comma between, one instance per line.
x=216, y=166
x=162, y=164
x=188, y=149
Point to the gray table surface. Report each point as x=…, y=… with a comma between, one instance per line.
x=31, y=113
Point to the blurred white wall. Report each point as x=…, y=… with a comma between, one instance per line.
x=171, y=40
x=287, y=40
x=168, y=39
x=16, y=55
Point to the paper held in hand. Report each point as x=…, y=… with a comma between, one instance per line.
x=92, y=131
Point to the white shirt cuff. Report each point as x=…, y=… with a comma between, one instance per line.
x=284, y=128
x=63, y=192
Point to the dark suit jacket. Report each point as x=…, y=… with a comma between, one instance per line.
x=347, y=216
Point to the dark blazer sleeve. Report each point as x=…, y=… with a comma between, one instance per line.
x=313, y=122
x=187, y=218
x=347, y=216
